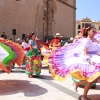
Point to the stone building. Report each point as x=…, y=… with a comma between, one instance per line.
x=86, y=22
x=44, y=17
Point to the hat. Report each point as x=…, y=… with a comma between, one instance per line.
x=71, y=38
x=18, y=39
x=58, y=35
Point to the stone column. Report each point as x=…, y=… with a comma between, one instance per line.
x=48, y=15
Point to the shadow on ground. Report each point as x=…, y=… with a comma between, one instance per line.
x=94, y=96
x=22, y=69
x=44, y=77
x=91, y=97
x=45, y=67
x=8, y=87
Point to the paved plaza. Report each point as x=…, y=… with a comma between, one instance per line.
x=17, y=86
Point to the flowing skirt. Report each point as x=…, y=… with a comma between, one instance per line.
x=10, y=53
x=67, y=60
x=33, y=63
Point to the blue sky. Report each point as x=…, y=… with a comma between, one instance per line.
x=88, y=8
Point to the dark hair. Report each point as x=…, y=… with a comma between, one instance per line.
x=85, y=31
x=26, y=39
x=32, y=35
x=4, y=36
x=10, y=39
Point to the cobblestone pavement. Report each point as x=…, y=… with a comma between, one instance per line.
x=17, y=86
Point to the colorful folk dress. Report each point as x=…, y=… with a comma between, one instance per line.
x=33, y=63
x=71, y=60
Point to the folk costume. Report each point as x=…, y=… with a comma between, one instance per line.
x=71, y=60
x=33, y=63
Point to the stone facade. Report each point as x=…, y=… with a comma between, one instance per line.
x=23, y=15
x=65, y=18
x=44, y=17
x=60, y=17
x=86, y=22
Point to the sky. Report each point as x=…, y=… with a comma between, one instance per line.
x=88, y=8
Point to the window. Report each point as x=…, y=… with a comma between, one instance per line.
x=79, y=26
x=23, y=36
x=87, y=25
x=99, y=27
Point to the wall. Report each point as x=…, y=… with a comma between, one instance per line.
x=31, y=16
x=24, y=15
x=64, y=18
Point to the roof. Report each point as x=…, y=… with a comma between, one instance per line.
x=78, y=20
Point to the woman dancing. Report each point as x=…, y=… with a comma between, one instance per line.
x=33, y=63
x=80, y=59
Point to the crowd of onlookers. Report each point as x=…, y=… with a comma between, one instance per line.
x=18, y=40
x=3, y=35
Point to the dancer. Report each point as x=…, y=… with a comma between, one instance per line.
x=33, y=63
x=80, y=59
x=55, y=43
x=26, y=47
x=97, y=37
x=10, y=52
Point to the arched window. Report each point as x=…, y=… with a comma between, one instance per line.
x=79, y=27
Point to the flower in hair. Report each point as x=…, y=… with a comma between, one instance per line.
x=82, y=31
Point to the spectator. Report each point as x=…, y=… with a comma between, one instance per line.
x=19, y=41
x=4, y=36
x=10, y=39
